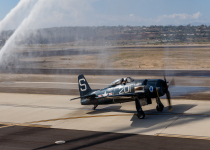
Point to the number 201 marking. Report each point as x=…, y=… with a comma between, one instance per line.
x=84, y=87
x=123, y=90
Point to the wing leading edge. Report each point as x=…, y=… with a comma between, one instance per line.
x=120, y=95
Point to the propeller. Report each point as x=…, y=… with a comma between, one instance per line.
x=168, y=94
x=172, y=82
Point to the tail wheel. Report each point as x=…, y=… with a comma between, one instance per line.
x=95, y=106
x=141, y=115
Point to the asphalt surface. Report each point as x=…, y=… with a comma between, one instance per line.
x=109, y=127
x=195, y=73
x=20, y=138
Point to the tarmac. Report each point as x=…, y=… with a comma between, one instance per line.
x=36, y=113
x=36, y=121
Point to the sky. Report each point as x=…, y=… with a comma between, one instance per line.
x=6, y=6
x=113, y=12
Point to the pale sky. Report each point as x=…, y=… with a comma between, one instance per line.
x=114, y=12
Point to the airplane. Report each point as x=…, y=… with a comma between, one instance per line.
x=125, y=90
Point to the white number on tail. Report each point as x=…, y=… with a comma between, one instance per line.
x=83, y=86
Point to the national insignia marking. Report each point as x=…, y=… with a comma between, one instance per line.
x=151, y=89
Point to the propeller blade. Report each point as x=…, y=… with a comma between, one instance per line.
x=172, y=82
x=169, y=101
x=168, y=93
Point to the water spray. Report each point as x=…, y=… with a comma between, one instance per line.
x=16, y=15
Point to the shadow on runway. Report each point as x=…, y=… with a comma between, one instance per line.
x=181, y=108
x=98, y=138
x=152, y=118
x=105, y=140
x=94, y=139
x=153, y=121
x=106, y=109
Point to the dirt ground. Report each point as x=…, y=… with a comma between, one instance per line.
x=133, y=57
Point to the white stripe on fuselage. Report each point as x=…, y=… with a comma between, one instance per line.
x=52, y=83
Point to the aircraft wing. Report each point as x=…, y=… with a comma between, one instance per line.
x=120, y=95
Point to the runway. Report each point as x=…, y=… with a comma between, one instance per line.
x=189, y=119
x=42, y=139
x=59, y=112
x=42, y=114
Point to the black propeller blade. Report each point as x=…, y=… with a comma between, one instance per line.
x=168, y=94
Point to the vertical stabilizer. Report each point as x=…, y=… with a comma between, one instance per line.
x=84, y=87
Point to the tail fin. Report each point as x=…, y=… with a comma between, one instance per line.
x=84, y=87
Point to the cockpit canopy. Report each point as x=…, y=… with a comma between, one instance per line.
x=129, y=79
x=117, y=82
x=121, y=80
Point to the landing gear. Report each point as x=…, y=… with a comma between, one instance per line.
x=160, y=106
x=95, y=106
x=149, y=101
x=140, y=113
x=159, y=109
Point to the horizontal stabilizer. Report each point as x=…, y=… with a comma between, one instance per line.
x=85, y=96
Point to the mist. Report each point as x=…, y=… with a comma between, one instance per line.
x=45, y=14
x=74, y=26
x=15, y=17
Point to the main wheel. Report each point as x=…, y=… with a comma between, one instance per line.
x=141, y=115
x=160, y=108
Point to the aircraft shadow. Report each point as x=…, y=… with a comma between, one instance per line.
x=107, y=109
x=142, y=125
x=160, y=117
x=181, y=107
x=152, y=114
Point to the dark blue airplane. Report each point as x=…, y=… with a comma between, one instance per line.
x=125, y=90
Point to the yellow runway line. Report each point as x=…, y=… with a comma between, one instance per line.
x=32, y=124
x=5, y=126
x=80, y=118
x=23, y=125
x=128, y=114
x=184, y=136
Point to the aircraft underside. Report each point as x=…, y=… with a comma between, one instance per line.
x=143, y=101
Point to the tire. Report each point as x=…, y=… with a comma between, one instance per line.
x=159, y=109
x=141, y=115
